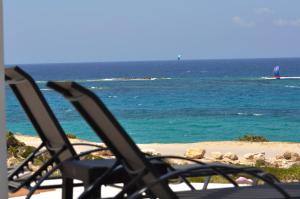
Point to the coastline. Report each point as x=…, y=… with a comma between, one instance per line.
x=240, y=148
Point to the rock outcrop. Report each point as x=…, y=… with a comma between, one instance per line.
x=217, y=155
x=195, y=153
x=231, y=156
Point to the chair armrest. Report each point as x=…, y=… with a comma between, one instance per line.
x=219, y=167
x=98, y=148
x=230, y=170
x=89, y=152
x=88, y=144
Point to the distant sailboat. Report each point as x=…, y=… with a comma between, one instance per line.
x=276, y=75
x=276, y=72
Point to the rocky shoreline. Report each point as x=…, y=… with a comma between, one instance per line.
x=286, y=159
x=271, y=154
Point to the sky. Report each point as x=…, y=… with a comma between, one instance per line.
x=59, y=31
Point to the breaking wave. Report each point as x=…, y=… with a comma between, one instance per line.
x=126, y=79
x=250, y=114
x=291, y=86
x=96, y=88
x=46, y=89
x=271, y=78
x=115, y=79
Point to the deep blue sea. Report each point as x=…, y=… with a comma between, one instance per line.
x=178, y=101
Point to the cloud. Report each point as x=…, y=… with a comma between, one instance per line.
x=287, y=23
x=243, y=23
x=262, y=11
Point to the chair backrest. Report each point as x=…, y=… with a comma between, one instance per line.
x=111, y=132
x=39, y=113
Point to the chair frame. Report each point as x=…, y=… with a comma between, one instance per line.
x=61, y=152
x=93, y=110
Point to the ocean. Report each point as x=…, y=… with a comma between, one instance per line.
x=177, y=101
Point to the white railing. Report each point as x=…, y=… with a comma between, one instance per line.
x=3, y=172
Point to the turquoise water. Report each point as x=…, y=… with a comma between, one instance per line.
x=178, y=101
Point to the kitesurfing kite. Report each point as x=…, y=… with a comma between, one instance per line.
x=179, y=57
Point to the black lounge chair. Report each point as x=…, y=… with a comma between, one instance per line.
x=55, y=141
x=115, y=137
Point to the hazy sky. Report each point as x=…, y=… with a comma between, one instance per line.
x=49, y=31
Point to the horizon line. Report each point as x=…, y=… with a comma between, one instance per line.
x=160, y=60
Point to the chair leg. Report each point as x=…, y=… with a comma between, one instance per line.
x=206, y=182
x=67, y=188
x=97, y=191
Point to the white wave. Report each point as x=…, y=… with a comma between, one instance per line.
x=41, y=82
x=100, y=80
x=115, y=79
x=46, y=89
x=289, y=77
x=267, y=78
x=96, y=88
x=270, y=78
x=250, y=114
x=113, y=96
x=291, y=86
x=125, y=79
